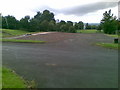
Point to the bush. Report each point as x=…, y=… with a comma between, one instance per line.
x=72, y=29
x=63, y=28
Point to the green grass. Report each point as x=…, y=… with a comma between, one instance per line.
x=87, y=31
x=115, y=36
x=10, y=32
x=109, y=45
x=0, y=34
x=0, y=77
x=11, y=79
x=22, y=41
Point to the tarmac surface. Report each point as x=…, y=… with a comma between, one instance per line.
x=66, y=61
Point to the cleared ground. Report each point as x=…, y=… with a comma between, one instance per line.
x=68, y=60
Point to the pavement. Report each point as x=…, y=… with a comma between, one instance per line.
x=73, y=62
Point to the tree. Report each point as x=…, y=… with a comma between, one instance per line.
x=4, y=23
x=72, y=29
x=99, y=28
x=51, y=25
x=47, y=15
x=34, y=25
x=35, y=22
x=80, y=25
x=76, y=26
x=0, y=21
x=44, y=26
x=10, y=22
x=59, y=26
x=118, y=25
x=38, y=16
x=24, y=23
x=43, y=21
x=40, y=22
x=69, y=23
x=109, y=23
x=64, y=28
x=94, y=26
x=62, y=22
x=88, y=26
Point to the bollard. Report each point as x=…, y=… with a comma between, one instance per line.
x=115, y=40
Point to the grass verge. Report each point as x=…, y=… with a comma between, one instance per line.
x=10, y=32
x=11, y=80
x=87, y=31
x=0, y=77
x=22, y=41
x=115, y=36
x=109, y=45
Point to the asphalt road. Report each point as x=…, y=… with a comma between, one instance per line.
x=71, y=63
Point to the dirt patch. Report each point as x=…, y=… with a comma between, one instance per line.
x=49, y=37
x=41, y=33
x=68, y=37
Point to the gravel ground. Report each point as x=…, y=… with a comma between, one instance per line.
x=59, y=36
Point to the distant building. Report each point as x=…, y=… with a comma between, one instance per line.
x=119, y=10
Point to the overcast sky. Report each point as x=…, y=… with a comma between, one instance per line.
x=88, y=11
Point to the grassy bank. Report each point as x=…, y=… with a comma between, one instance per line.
x=109, y=45
x=115, y=36
x=10, y=32
x=11, y=79
x=87, y=31
x=22, y=41
x=0, y=77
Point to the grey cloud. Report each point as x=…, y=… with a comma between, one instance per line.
x=85, y=9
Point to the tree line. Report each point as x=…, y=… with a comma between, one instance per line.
x=44, y=21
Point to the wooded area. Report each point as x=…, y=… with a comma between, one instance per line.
x=45, y=21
